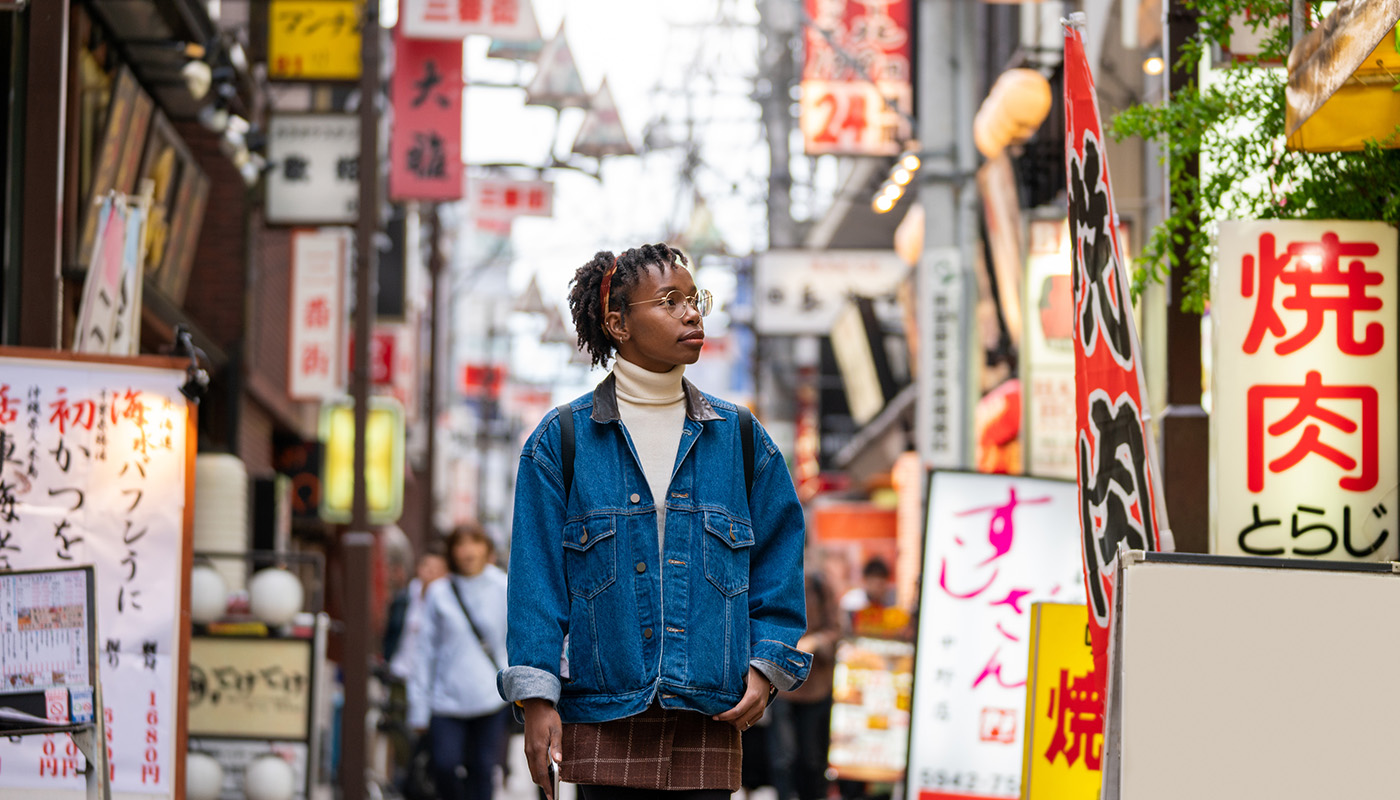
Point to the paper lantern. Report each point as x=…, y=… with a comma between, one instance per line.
x=269, y=777
x=208, y=594
x=221, y=512
x=275, y=596
x=204, y=777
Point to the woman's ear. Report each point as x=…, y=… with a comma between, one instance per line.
x=615, y=326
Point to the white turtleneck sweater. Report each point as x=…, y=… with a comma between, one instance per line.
x=652, y=407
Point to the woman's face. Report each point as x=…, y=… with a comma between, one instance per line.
x=471, y=555
x=647, y=335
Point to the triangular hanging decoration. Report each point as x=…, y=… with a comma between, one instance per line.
x=530, y=301
x=555, y=331
x=522, y=48
x=602, y=133
x=557, y=83
x=701, y=235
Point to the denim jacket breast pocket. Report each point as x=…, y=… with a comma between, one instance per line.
x=726, y=551
x=590, y=555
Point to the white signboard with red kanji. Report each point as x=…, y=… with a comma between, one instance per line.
x=505, y=198
x=316, y=341
x=458, y=19
x=995, y=544
x=1303, y=429
x=93, y=470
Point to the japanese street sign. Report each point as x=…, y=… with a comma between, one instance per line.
x=802, y=291
x=1047, y=360
x=316, y=342
x=109, y=314
x=1064, y=726
x=1120, y=495
x=250, y=687
x=316, y=168
x=313, y=40
x=994, y=545
x=384, y=448
x=94, y=469
x=944, y=304
x=505, y=199
x=457, y=19
x=845, y=108
x=425, y=152
x=602, y=133
x=1303, y=428
x=557, y=83
x=871, y=698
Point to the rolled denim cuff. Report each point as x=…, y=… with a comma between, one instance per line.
x=784, y=666
x=527, y=683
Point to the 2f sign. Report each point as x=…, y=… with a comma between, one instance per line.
x=851, y=118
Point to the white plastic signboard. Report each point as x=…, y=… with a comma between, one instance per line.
x=1304, y=428
x=511, y=20
x=803, y=291
x=315, y=179
x=317, y=341
x=994, y=545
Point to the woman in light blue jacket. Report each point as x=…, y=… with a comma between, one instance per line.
x=461, y=645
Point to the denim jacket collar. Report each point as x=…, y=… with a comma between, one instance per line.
x=605, y=402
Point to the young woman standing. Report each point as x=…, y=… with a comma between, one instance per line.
x=656, y=591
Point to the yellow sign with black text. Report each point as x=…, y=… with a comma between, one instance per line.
x=314, y=40
x=1064, y=723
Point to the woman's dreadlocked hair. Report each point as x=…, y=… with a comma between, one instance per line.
x=585, y=291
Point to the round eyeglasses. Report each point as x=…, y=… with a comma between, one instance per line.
x=674, y=302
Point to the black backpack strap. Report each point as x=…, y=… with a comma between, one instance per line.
x=566, y=447
x=746, y=440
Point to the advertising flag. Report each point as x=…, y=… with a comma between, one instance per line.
x=1120, y=500
x=425, y=150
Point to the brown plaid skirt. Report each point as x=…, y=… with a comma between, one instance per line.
x=656, y=749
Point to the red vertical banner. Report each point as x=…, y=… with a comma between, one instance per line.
x=1120, y=499
x=425, y=148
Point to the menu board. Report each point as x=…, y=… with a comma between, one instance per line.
x=95, y=455
x=43, y=631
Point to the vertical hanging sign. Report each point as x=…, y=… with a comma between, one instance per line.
x=425, y=150
x=1120, y=499
x=316, y=341
x=856, y=80
x=457, y=19
x=1303, y=431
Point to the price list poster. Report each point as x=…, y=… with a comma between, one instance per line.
x=95, y=468
x=43, y=633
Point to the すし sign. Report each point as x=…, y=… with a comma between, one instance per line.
x=1303, y=428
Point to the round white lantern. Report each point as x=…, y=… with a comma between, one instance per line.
x=208, y=594
x=275, y=596
x=204, y=777
x=269, y=777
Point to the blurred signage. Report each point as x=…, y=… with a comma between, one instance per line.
x=110, y=310
x=425, y=150
x=457, y=19
x=557, y=83
x=1064, y=731
x=250, y=687
x=863, y=355
x=871, y=697
x=994, y=545
x=802, y=291
x=1048, y=348
x=1120, y=491
x=601, y=133
x=313, y=40
x=945, y=284
x=856, y=110
x=101, y=476
x=483, y=380
x=506, y=199
x=1303, y=427
x=320, y=263
x=384, y=454
x=315, y=177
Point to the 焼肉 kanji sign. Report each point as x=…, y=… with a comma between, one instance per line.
x=850, y=109
x=1064, y=722
x=425, y=149
x=1304, y=416
x=1120, y=496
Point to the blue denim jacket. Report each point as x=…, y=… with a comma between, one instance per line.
x=601, y=623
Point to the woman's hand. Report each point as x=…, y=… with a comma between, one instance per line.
x=544, y=736
x=752, y=705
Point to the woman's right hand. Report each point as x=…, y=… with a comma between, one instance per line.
x=544, y=735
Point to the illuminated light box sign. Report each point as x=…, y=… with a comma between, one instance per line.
x=1303, y=429
x=857, y=111
x=1063, y=754
x=384, y=454
x=995, y=544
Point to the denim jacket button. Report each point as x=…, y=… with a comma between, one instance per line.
x=641, y=566
x=646, y=633
x=636, y=498
x=583, y=539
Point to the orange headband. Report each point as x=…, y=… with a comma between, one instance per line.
x=607, y=285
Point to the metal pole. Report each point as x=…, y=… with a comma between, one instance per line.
x=777, y=27
x=357, y=545
x=435, y=264
x=1185, y=428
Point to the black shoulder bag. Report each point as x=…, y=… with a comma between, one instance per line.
x=485, y=648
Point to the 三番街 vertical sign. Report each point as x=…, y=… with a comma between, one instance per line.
x=1303, y=429
x=94, y=459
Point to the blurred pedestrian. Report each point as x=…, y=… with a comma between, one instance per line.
x=458, y=649
x=799, y=731
x=406, y=611
x=657, y=595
